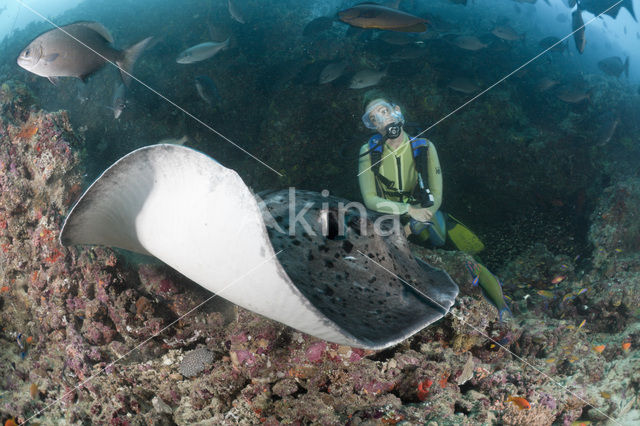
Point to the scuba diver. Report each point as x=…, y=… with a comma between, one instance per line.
x=401, y=175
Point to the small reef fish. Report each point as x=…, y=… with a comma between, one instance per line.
x=572, y=295
x=201, y=51
x=546, y=294
x=626, y=346
x=490, y=285
x=599, y=348
x=519, y=402
x=55, y=54
x=584, y=321
x=370, y=15
x=558, y=279
x=23, y=349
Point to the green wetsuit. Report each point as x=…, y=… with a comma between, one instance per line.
x=399, y=167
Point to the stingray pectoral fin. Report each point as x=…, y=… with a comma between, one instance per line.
x=200, y=218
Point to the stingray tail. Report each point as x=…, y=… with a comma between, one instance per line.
x=129, y=59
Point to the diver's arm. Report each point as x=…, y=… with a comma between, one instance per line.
x=435, y=178
x=367, y=182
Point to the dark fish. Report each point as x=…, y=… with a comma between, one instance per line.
x=366, y=78
x=577, y=24
x=545, y=84
x=317, y=26
x=608, y=128
x=599, y=6
x=396, y=38
x=207, y=90
x=463, y=85
x=119, y=101
x=77, y=50
x=552, y=44
x=472, y=43
x=332, y=72
x=614, y=66
x=369, y=15
x=573, y=95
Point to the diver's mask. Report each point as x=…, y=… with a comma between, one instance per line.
x=383, y=112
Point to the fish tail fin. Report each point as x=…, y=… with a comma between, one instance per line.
x=503, y=310
x=129, y=58
x=626, y=67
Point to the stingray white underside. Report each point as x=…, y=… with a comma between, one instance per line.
x=200, y=218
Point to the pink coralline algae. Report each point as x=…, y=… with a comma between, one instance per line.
x=130, y=331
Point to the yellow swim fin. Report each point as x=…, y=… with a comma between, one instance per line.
x=462, y=237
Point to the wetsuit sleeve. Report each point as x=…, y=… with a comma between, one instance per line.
x=367, y=182
x=435, y=178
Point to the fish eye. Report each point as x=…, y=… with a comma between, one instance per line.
x=27, y=53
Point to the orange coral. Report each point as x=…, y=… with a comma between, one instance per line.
x=27, y=132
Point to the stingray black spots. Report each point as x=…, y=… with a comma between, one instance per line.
x=328, y=263
x=347, y=246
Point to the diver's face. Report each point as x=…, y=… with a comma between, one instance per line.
x=383, y=114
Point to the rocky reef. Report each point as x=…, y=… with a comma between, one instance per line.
x=93, y=336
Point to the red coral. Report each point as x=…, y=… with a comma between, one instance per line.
x=423, y=389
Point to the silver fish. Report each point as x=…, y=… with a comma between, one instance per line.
x=201, y=51
x=235, y=12
x=463, y=85
x=332, y=71
x=366, y=78
x=505, y=32
x=469, y=43
x=77, y=50
x=119, y=101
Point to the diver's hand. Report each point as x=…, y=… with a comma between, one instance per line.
x=420, y=214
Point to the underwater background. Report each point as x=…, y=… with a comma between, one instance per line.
x=544, y=167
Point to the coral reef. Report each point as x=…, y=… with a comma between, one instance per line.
x=92, y=337
x=95, y=336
